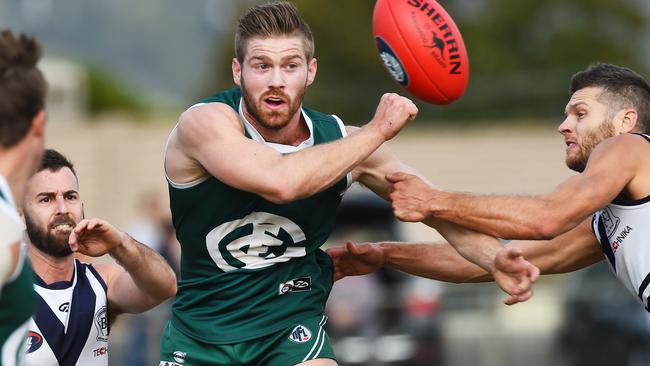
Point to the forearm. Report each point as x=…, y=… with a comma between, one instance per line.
x=312, y=170
x=477, y=248
x=149, y=271
x=438, y=261
x=507, y=217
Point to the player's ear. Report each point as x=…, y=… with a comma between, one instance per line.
x=22, y=218
x=236, y=71
x=38, y=124
x=311, y=71
x=629, y=119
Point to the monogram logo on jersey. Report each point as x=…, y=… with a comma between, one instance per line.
x=34, y=341
x=101, y=323
x=300, y=334
x=258, y=240
x=65, y=307
x=610, y=221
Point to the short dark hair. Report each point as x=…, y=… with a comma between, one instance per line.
x=622, y=88
x=22, y=86
x=54, y=161
x=268, y=20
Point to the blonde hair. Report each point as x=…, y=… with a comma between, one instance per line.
x=272, y=20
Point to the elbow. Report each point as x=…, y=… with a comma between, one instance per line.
x=281, y=195
x=282, y=190
x=547, y=230
x=169, y=289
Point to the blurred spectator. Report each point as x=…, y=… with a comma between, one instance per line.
x=152, y=225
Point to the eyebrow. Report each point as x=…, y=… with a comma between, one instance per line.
x=53, y=194
x=574, y=106
x=266, y=58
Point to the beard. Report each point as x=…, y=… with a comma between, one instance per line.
x=578, y=161
x=274, y=119
x=49, y=241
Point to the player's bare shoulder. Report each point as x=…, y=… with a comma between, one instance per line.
x=628, y=145
x=205, y=122
x=198, y=126
x=627, y=154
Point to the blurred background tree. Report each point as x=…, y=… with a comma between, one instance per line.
x=522, y=55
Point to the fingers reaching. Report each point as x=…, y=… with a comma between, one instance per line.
x=514, y=274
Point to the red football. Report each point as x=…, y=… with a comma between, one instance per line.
x=421, y=48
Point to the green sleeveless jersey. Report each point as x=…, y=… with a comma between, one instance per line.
x=17, y=300
x=250, y=267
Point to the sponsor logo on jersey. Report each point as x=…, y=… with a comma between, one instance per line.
x=34, y=341
x=295, y=285
x=101, y=351
x=610, y=221
x=618, y=240
x=179, y=356
x=300, y=334
x=65, y=307
x=167, y=363
x=101, y=323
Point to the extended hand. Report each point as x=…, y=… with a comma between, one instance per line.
x=94, y=237
x=356, y=260
x=514, y=274
x=410, y=196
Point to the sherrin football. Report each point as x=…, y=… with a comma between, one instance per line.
x=421, y=48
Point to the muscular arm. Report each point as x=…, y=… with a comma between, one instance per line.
x=212, y=136
x=475, y=247
x=612, y=165
x=141, y=280
x=568, y=252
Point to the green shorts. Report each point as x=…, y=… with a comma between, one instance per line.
x=298, y=343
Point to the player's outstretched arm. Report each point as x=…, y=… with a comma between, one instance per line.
x=475, y=247
x=142, y=280
x=568, y=252
x=212, y=136
x=528, y=217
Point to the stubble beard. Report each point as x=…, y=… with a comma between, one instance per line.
x=272, y=120
x=578, y=161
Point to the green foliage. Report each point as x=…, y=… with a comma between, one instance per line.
x=107, y=94
x=522, y=54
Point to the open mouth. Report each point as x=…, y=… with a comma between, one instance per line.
x=64, y=228
x=570, y=145
x=274, y=102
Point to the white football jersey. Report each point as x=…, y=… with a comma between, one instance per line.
x=623, y=230
x=70, y=325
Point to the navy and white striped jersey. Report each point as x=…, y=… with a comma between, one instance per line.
x=623, y=230
x=70, y=325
